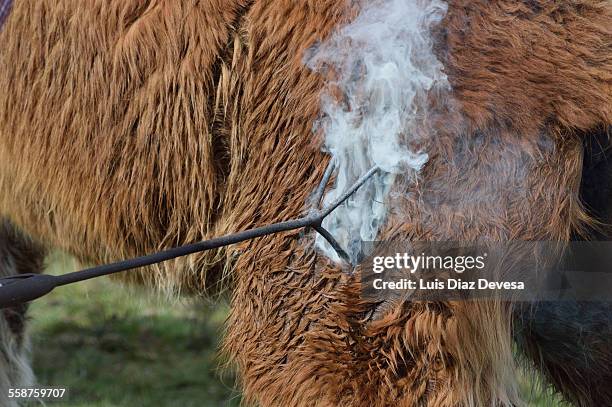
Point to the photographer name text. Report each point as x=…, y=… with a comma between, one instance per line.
x=448, y=284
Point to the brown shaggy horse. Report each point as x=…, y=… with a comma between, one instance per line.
x=128, y=126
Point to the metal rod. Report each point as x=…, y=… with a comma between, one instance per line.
x=181, y=251
x=22, y=288
x=334, y=244
x=318, y=195
x=329, y=209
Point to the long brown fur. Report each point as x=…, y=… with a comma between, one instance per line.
x=130, y=126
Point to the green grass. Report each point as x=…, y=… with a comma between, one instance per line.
x=114, y=346
x=536, y=394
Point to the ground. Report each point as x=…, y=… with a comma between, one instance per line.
x=113, y=346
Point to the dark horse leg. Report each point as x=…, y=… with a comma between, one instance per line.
x=571, y=341
x=17, y=255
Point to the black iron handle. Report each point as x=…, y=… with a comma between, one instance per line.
x=23, y=288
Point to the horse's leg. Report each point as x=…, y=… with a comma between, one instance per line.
x=571, y=341
x=17, y=255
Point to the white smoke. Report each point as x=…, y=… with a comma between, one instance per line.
x=383, y=66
